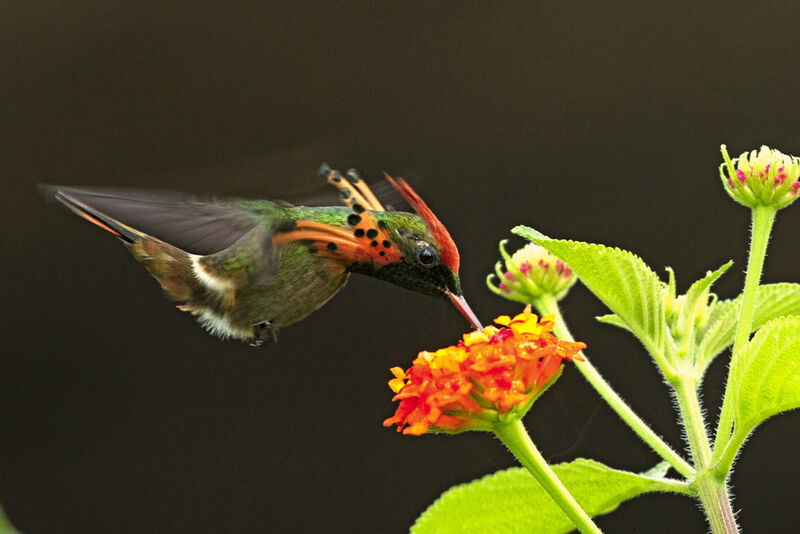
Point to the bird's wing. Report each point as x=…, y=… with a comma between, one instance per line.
x=194, y=226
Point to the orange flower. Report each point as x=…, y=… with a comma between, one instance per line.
x=489, y=376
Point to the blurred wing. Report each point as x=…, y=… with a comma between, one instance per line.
x=197, y=227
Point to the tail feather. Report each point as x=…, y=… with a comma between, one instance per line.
x=172, y=268
x=185, y=245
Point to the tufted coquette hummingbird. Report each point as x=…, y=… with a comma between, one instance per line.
x=246, y=268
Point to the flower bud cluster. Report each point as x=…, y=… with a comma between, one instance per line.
x=767, y=177
x=530, y=273
x=686, y=315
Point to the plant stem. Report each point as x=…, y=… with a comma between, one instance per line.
x=547, y=305
x=722, y=466
x=763, y=218
x=516, y=438
x=711, y=489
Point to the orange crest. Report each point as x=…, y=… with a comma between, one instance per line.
x=365, y=242
x=439, y=232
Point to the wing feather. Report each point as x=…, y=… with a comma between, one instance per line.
x=195, y=226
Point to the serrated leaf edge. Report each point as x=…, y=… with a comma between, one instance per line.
x=741, y=365
x=711, y=346
x=652, y=335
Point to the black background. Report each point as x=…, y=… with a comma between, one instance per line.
x=599, y=123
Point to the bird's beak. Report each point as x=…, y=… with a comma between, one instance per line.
x=461, y=303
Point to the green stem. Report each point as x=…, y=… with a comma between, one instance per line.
x=722, y=466
x=547, y=305
x=516, y=438
x=763, y=218
x=711, y=489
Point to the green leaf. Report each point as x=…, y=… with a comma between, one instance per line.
x=618, y=278
x=765, y=375
x=511, y=500
x=697, y=296
x=772, y=300
x=528, y=233
x=657, y=471
x=614, y=320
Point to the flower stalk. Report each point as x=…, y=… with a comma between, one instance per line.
x=516, y=438
x=721, y=466
x=763, y=219
x=711, y=489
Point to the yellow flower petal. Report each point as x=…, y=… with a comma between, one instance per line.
x=473, y=338
x=446, y=359
x=398, y=372
x=396, y=384
x=503, y=320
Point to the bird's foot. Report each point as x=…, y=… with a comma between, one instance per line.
x=263, y=333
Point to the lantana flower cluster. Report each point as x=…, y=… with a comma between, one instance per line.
x=490, y=376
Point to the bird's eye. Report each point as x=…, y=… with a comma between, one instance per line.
x=426, y=255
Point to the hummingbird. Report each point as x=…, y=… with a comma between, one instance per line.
x=247, y=268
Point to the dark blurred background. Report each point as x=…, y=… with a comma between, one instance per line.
x=595, y=122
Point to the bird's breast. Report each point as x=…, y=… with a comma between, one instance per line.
x=298, y=284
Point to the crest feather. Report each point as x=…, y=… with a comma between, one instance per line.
x=438, y=230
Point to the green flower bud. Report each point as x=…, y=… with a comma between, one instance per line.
x=767, y=177
x=529, y=273
x=686, y=317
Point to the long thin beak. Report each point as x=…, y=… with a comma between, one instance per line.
x=466, y=311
